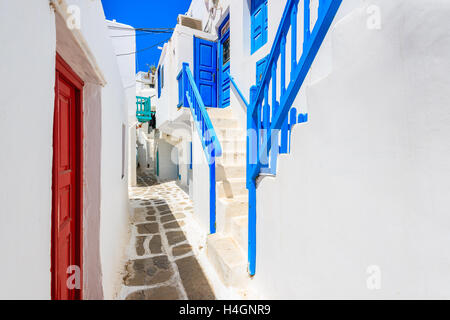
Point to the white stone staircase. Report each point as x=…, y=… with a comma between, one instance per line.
x=227, y=248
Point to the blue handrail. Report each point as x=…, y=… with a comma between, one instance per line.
x=270, y=121
x=207, y=135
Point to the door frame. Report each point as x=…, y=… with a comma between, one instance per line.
x=222, y=38
x=63, y=69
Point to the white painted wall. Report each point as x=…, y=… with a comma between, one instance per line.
x=124, y=43
x=366, y=182
x=25, y=186
x=167, y=167
x=114, y=203
x=200, y=182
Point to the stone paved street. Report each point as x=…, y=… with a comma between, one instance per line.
x=161, y=263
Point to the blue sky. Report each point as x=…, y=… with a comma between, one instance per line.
x=146, y=14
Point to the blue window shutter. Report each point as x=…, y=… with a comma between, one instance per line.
x=260, y=68
x=159, y=82
x=259, y=24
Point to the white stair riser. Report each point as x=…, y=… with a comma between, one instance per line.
x=226, y=172
x=230, y=134
x=223, y=123
x=233, y=146
x=232, y=159
x=220, y=113
x=231, y=189
x=239, y=231
x=232, y=274
x=226, y=210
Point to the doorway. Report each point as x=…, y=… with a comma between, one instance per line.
x=67, y=205
x=224, y=63
x=205, y=70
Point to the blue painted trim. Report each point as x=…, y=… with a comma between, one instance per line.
x=302, y=117
x=159, y=81
x=252, y=228
x=227, y=18
x=220, y=67
x=251, y=183
x=260, y=67
x=212, y=196
x=180, y=89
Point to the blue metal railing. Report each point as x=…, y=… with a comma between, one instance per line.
x=207, y=134
x=269, y=121
x=143, y=109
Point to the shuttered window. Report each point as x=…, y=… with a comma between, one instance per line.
x=160, y=79
x=159, y=82
x=259, y=24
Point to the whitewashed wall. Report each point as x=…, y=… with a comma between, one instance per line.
x=26, y=164
x=124, y=43
x=114, y=189
x=200, y=182
x=167, y=165
x=25, y=187
x=366, y=183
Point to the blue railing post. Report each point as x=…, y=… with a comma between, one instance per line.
x=184, y=81
x=307, y=23
x=293, y=39
x=252, y=152
x=212, y=193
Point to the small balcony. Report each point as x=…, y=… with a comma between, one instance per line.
x=143, y=109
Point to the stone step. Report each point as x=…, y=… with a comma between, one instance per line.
x=232, y=159
x=225, y=171
x=239, y=231
x=221, y=113
x=227, y=209
x=232, y=145
x=228, y=260
x=231, y=188
x=224, y=123
x=230, y=134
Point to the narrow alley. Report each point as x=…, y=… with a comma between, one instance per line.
x=162, y=264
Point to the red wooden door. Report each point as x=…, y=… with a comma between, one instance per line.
x=67, y=207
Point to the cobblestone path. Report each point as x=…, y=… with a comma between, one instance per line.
x=161, y=263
